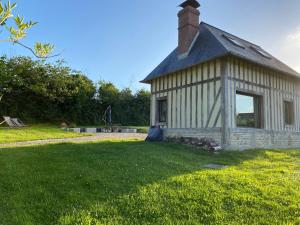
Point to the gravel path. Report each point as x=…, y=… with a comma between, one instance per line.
x=102, y=136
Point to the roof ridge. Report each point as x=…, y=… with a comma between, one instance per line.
x=232, y=35
x=210, y=45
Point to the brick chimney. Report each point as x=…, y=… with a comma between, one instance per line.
x=189, y=20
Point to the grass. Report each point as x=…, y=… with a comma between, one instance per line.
x=36, y=132
x=135, y=182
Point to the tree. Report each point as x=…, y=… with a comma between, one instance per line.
x=108, y=94
x=17, y=29
x=127, y=108
x=4, y=78
x=142, y=106
x=37, y=91
x=42, y=92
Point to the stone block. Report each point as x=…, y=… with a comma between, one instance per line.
x=91, y=130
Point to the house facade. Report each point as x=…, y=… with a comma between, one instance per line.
x=217, y=85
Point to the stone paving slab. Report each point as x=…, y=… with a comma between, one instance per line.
x=100, y=136
x=215, y=166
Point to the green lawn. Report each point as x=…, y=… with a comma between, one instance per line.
x=36, y=132
x=146, y=183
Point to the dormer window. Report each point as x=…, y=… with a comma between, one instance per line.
x=233, y=41
x=261, y=52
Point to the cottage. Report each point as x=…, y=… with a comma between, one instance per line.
x=217, y=85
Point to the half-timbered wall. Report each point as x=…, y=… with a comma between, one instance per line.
x=193, y=97
x=202, y=103
x=274, y=88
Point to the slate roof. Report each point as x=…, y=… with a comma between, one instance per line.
x=212, y=44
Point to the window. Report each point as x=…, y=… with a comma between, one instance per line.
x=288, y=112
x=261, y=52
x=234, y=41
x=162, y=110
x=249, y=110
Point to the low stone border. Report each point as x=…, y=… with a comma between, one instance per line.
x=103, y=130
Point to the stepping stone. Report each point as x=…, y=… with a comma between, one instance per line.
x=77, y=130
x=132, y=131
x=215, y=166
x=91, y=130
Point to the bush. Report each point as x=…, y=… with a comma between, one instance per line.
x=41, y=92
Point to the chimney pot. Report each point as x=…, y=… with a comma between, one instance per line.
x=195, y=4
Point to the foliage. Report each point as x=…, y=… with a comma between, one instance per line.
x=43, y=92
x=36, y=132
x=242, y=122
x=43, y=50
x=19, y=29
x=6, y=11
x=145, y=183
x=127, y=108
x=37, y=91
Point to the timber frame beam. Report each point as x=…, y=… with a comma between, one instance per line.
x=224, y=105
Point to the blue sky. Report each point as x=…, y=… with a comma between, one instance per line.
x=122, y=41
x=244, y=104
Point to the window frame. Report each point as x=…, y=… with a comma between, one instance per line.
x=158, y=108
x=258, y=106
x=261, y=52
x=234, y=41
x=292, y=112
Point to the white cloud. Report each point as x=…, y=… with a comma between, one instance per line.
x=289, y=50
x=297, y=68
x=294, y=37
x=293, y=46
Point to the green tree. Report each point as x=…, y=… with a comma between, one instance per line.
x=37, y=91
x=108, y=94
x=124, y=111
x=142, y=106
x=17, y=30
x=45, y=92
x=127, y=108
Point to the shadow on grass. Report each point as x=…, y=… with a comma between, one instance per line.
x=43, y=183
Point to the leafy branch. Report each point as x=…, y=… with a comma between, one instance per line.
x=40, y=50
x=19, y=31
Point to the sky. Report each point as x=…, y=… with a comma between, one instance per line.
x=244, y=104
x=123, y=41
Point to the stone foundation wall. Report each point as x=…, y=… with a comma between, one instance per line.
x=214, y=133
x=241, y=139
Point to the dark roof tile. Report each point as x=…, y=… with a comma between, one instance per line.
x=210, y=45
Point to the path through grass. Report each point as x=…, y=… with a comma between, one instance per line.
x=37, y=132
